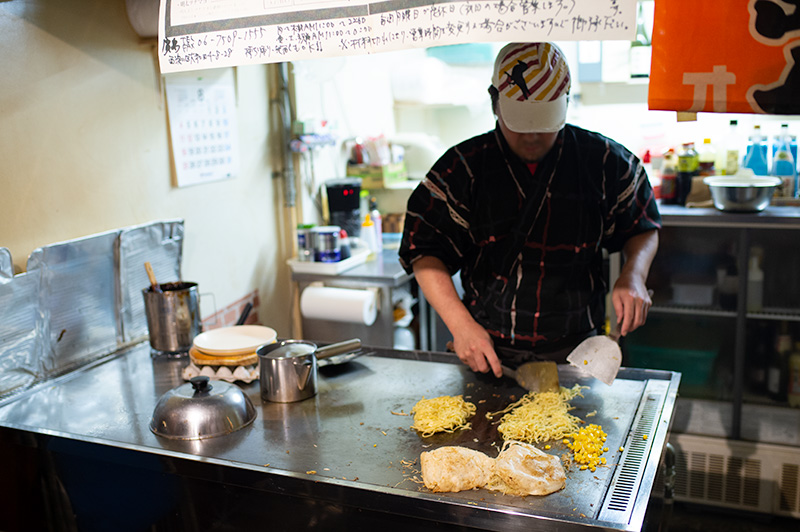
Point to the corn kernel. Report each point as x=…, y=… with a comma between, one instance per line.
x=644, y=437
x=547, y=447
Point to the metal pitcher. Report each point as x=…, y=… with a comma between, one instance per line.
x=173, y=316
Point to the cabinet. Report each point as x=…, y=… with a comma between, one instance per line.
x=703, y=321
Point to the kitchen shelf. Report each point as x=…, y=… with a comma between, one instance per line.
x=775, y=315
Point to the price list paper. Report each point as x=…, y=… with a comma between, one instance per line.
x=201, y=34
x=203, y=126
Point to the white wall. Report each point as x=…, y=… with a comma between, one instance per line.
x=84, y=149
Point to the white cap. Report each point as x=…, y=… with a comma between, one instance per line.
x=533, y=82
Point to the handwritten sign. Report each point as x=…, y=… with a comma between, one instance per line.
x=201, y=34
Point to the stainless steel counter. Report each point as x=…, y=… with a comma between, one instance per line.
x=351, y=446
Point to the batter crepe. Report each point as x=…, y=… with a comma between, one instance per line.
x=522, y=469
x=455, y=469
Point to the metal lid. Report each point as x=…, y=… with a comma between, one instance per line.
x=202, y=408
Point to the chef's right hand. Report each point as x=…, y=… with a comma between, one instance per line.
x=474, y=347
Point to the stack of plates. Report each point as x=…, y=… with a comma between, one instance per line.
x=230, y=346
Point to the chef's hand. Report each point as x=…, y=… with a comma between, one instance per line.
x=474, y=347
x=630, y=297
x=631, y=301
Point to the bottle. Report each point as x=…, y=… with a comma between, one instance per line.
x=728, y=155
x=758, y=355
x=641, y=48
x=755, y=282
x=783, y=165
x=688, y=162
x=707, y=156
x=378, y=220
x=368, y=235
x=792, y=141
x=756, y=156
x=793, y=387
x=777, y=371
x=669, y=179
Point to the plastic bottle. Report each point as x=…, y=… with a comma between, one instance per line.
x=756, y=157
x=707, y=156
x=728, y=156
x=368, y=235
x=783, y=165
x=669, y=179
x=755, y=282
x=792, y=141
x=777, y=372
x=378, y=221
x=793, y=387
x=641, y=48
x=688, y=162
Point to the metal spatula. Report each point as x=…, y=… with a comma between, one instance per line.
x=535, y=376
x=599, y=356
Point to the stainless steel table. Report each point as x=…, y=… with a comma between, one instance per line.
x=346, y=457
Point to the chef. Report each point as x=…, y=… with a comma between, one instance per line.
x=524, y=213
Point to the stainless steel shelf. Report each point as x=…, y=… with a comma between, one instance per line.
x=774, y=314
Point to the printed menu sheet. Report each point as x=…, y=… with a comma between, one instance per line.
x=198, y=34
x=203, y=126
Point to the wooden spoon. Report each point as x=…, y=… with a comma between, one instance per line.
x=154, y=286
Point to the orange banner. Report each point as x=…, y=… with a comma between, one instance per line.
x=731, y=56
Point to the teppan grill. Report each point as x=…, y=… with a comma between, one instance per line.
x=345, y=457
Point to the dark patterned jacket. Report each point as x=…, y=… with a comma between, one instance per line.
x=529, y=247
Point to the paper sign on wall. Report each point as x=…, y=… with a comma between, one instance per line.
x=743, y=58
x=203, y=126
x=217, y=33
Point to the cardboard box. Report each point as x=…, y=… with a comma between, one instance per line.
x=379, y=176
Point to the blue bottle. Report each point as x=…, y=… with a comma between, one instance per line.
x=756, y=157
x=783, y=165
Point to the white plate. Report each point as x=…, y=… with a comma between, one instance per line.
x=236, y=340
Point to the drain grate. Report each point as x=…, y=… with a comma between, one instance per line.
x=625, y=484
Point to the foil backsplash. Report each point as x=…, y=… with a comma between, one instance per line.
x=80, y=300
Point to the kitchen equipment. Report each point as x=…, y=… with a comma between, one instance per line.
x=599, y=356
x=152, y=276
x=741, y=192
x=202, y=408
x=173, y=316
x=326, y=243
x=245, y=312
x=344, y=204
x=235, y=340
x=539, y=376
x=289, y=368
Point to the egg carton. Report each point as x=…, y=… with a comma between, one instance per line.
x=222, y=373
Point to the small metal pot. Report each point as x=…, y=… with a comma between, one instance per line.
x=288, y=370
x=202, y=408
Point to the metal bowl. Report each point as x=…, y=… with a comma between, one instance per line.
x=741, y=193
x=202, y=408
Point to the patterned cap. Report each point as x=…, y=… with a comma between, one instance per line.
x=533, y=82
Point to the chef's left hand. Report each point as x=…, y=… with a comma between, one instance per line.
x=631, y=301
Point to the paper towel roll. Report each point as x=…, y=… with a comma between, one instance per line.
x=339, y=304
